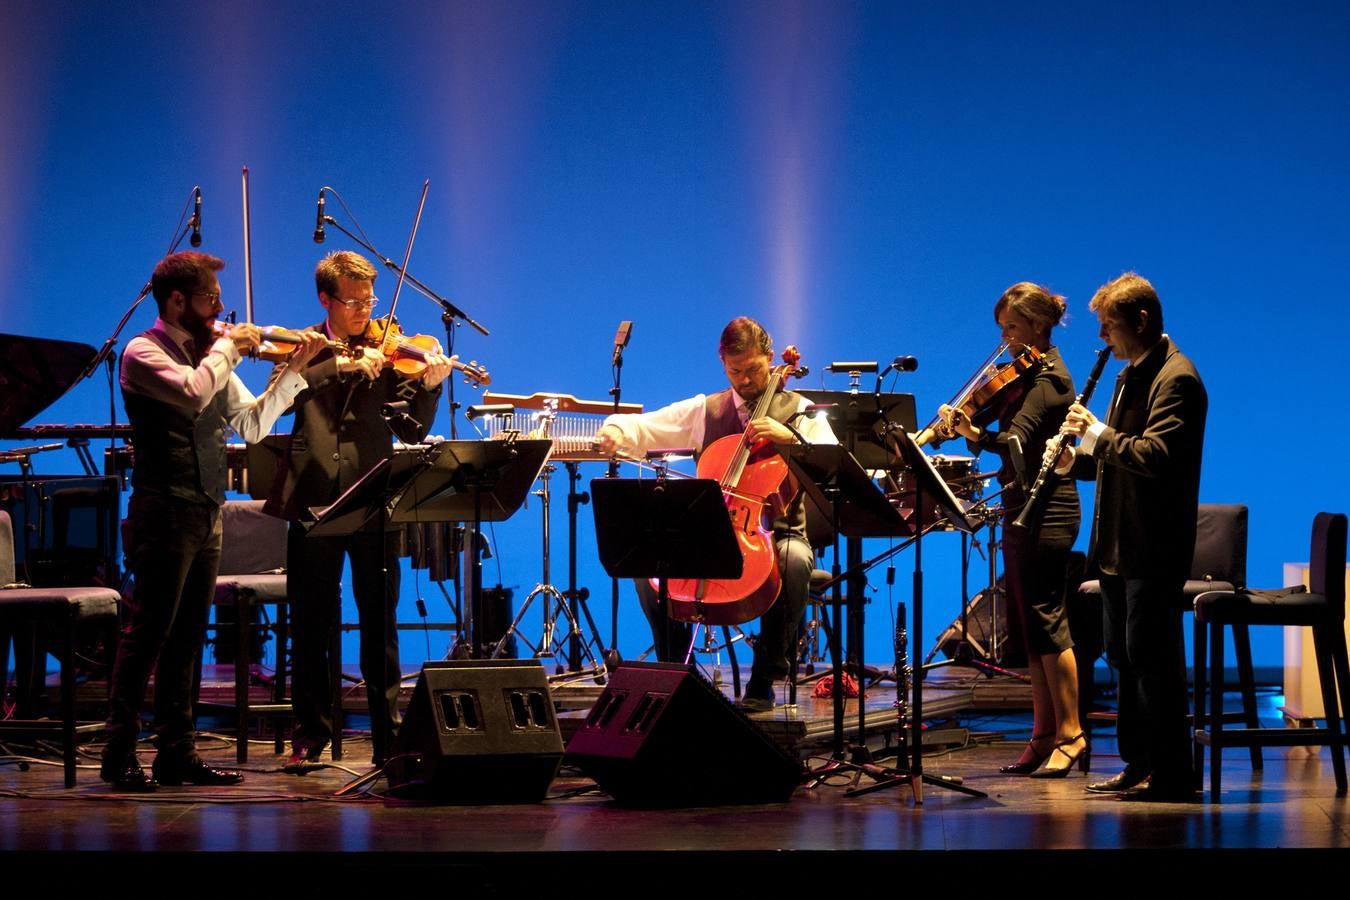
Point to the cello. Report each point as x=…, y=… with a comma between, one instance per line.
x=749, y=474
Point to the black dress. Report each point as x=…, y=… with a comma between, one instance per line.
x=1034, y=561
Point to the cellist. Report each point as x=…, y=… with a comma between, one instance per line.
x=746, y=351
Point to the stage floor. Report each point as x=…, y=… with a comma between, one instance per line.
x=264, y=825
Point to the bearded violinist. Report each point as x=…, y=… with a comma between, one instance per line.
x=746, y=351
x=180, y=392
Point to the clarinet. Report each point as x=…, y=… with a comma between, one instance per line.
x=1046, y=477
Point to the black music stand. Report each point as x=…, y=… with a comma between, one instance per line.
x=664, y=528
x=453, y=481
x=841, y=491
x=859, y=421
x=926, y=481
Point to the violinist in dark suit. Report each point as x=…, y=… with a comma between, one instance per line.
x=339, y=435
x=1145, y=458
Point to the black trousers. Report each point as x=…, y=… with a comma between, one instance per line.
x=174, y=551
x=1145, y=644
x=777, y=627
x=314, y=588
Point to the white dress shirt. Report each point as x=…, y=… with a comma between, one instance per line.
x=150, y=370
x=680, y=426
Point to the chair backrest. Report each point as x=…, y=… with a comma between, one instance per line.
x=252, y=541
x=1221, y=544
x=1326, y=559
x=6, y=549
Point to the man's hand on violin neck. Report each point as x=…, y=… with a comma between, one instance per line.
x=306, y=350
x=438, y=369
x=246, y=337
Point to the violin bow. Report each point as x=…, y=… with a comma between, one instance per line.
x=248, y=253
x=407, y=254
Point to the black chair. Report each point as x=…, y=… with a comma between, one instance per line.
x=58, y=616
x=253, y=573
x=1219, y=564
x=1320, y=607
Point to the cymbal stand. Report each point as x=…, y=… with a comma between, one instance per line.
x=551, y=644
x=808, y=644
x=968, y=653
x=576, y=596
x=712, y=647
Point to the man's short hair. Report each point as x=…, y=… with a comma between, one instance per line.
x=182, y=272
x=743, y=335
x=1124, y=298
x=342, y=264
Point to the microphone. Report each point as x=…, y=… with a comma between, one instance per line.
x=621, y=339
x=196, y=239
x=489, y=409
x=905, y=363
x=318, y=220
x=860, y=367
x=398, y=410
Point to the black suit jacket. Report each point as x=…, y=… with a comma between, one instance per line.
x=1147, y=467
x=339, y=434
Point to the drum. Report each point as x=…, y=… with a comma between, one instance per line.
x=960, y=474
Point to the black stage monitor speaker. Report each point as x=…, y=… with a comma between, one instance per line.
x=660, y=735
x=477, y=731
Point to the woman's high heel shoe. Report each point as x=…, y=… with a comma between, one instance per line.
x=1037, y=757
x=1083, y=758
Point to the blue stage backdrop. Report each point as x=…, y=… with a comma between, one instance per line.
x=865, y=178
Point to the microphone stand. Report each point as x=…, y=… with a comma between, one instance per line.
x=106, y=353
x=612, y=657
x=449, y=308
x=449, y=311
x=964, y=653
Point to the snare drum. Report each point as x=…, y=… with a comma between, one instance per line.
x=959, y=472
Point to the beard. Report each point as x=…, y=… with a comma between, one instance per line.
x=201, y=330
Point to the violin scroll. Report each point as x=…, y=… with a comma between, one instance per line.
x=408, y=354
x=977, y=398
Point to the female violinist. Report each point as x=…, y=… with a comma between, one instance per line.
x=1034, y=561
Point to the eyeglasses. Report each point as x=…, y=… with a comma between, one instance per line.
x=358, y=304
x=213, y=296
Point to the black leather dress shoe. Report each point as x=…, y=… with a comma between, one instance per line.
x=1128, y=778
x=302, y=753
x=125, y=774
x=194, y=770
x=1161, y=792
x=758, y=696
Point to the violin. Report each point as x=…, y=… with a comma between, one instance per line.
x=408, y=353
x=977, y=401
x=749, y=475
x=278, y=344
